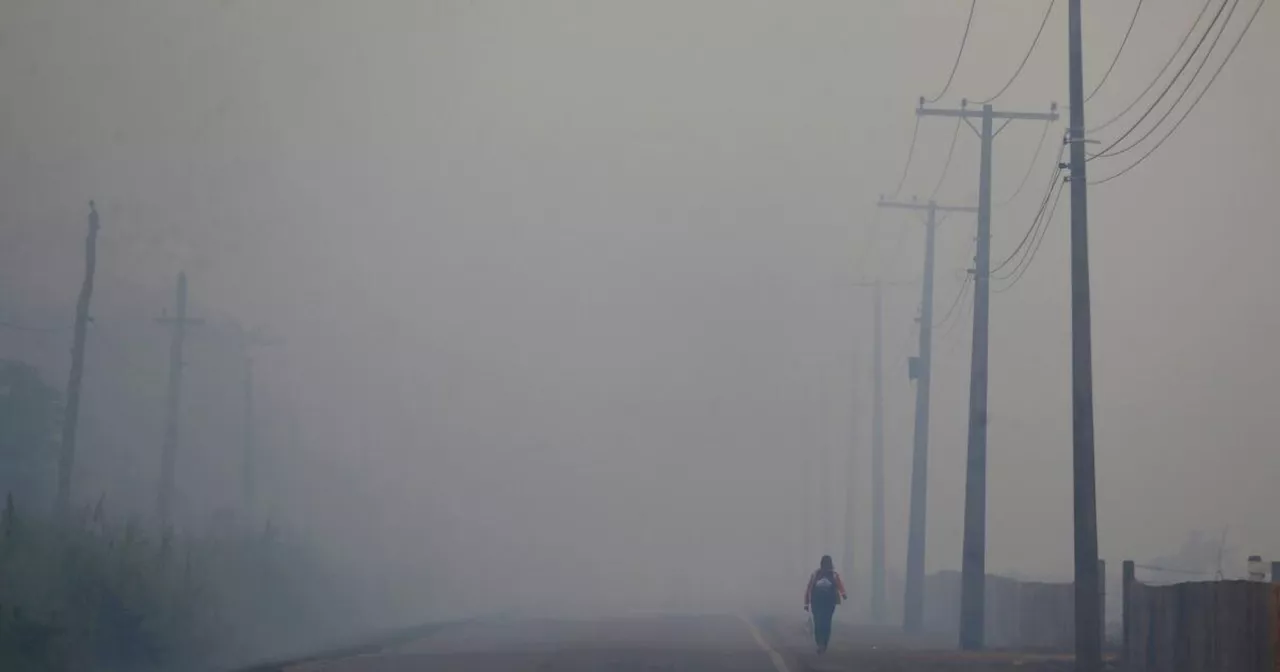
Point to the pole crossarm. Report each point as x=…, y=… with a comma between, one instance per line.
x=966, y=113
x=886, y=283
x=924, y=205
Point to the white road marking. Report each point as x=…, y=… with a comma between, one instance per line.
x=778, y=663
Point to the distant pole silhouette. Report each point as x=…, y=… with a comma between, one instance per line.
x=71, y=414
x=922, y=372
x=878, y=602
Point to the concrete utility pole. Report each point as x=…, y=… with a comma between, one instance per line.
x=851, y=474
x=878, y=605
x=71, y=413
x=973, y=581
x=1087, y=601
x=245, y=342
x=178, y=326
x=921, y=372
x=824, y=516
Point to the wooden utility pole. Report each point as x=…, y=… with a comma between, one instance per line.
x=178, y=326
x=973, y=581
x=71, y=414
x=1088, y=625
x=921, y=372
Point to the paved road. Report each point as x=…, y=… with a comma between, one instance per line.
x=676, y=644
x=641, y=643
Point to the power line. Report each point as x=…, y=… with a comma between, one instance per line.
x=1044, y=134
x=956, y=66
x=1026, y=57
x=911, y=152
x=1163, y=69
x=965, y=313
x=1046, y=216
x=1168, y=87
x=1053, y=181
x=955, y=135
x=1194, y=102
x=1039, y=228
x=1132, y=22
x=964, y=289
x=1190, y=82
x=1031, y=257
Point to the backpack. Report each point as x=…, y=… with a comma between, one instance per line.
x=824, y=588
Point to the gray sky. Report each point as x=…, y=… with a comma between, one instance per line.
x=573, y=283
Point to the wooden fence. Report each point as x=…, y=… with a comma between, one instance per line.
x=1210, y=626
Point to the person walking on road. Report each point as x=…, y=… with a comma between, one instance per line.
x=821, y=597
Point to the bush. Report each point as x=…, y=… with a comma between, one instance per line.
x=92, y=595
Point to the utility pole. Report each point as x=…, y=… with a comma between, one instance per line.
x=245, y=342
x=824, y=497
x=71, y=413
x=1087, y=607
x=973, y=580
x=921, y=371
x=878, y=605
x=178, y=327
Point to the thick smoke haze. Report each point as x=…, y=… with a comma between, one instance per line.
x=568, y=291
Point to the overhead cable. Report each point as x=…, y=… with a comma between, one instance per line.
x=911, y=152
x=1194, y=102
x=1044, y=135
x=964, y=40
x=1054, y=176
x=1120, y=50
x=955, y=135
x=1155, y=80
x=1190, y=82
x=1030, y=257
x=1026, y=57
x=1168, y=87
x=964, y=288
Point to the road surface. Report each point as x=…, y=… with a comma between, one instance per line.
x=670, y=644
x=640, y=643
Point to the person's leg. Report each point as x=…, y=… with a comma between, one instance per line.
x=830, y=618
x=822, y=624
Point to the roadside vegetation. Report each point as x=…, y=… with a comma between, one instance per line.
x=114, y=594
